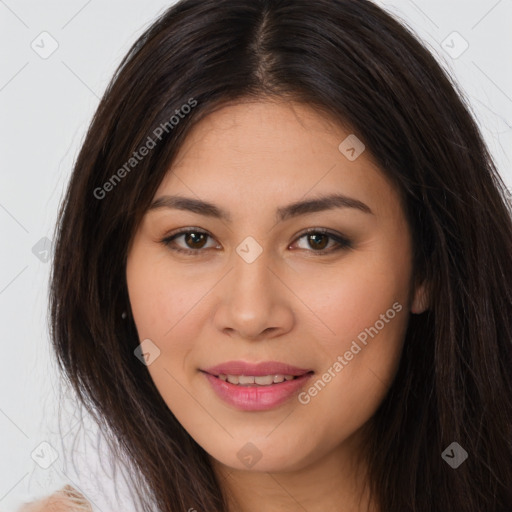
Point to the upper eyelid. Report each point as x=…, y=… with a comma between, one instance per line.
x=184, y=231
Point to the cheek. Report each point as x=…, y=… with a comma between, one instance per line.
x=352, y=296
x=162, y=300
x=363, y=308
x=170, y=305
x=164, y=307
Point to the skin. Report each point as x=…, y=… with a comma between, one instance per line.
x=291, y=304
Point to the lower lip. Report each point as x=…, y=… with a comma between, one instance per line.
x=257, y=398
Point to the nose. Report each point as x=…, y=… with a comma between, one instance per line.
x=254, y=301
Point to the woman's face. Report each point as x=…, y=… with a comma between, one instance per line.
x=255, y=288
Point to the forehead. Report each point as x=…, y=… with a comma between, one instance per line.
x=264, y=129
x=265, y=151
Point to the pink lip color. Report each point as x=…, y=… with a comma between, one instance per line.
x=258, y=369
x=256, y=398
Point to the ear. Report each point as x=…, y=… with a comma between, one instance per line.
x=421, y=299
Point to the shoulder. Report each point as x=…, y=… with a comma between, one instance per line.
x=66, y=499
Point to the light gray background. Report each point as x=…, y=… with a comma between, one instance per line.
x=45, y=107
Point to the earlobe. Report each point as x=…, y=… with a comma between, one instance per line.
x=421, y=300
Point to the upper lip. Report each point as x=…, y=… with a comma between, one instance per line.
x=255, y=369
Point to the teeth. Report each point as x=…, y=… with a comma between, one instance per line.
x=243, y=380
x=264, y=380
x=249, y=380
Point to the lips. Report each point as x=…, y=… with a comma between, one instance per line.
x=252, y=390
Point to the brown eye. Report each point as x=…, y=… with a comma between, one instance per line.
x=318, y=241
x=193, y=241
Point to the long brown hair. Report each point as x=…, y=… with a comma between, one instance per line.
x=353, y=61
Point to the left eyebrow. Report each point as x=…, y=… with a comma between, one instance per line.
x=319, y=204
x=295, y=209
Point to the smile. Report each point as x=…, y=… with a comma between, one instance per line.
x=260, y=380
x=260, y=386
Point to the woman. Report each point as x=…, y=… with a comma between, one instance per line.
x=282, y=268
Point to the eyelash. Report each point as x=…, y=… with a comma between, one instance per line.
x=343, y=243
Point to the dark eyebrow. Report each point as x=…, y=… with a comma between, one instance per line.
x=318, y=204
